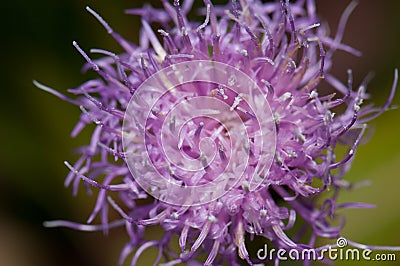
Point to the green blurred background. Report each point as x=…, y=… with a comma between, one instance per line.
x=35, y=126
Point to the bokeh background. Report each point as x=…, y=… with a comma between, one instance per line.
x=36, y=39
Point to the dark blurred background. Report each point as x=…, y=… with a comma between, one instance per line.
x=35, y=126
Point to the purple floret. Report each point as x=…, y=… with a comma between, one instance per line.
x=287, y=52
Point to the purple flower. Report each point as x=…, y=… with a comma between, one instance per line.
x=214, y=161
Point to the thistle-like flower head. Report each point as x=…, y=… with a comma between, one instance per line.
x=218, y=132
